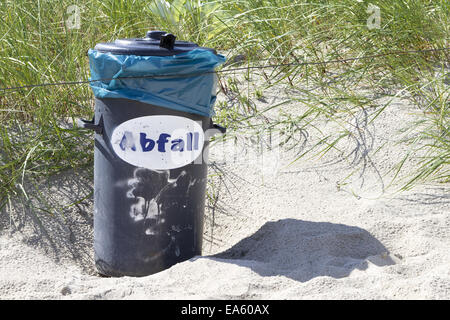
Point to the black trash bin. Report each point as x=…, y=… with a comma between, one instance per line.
x=150, y=165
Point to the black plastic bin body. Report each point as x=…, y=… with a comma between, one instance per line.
x=145, y=220
x=123, y=244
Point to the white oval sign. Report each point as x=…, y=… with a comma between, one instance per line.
x=158, y=142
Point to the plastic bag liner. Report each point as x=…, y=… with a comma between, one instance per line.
x=184, y=82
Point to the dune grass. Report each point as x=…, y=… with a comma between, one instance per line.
x=36, y=46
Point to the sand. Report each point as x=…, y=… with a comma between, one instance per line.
x=281, y=230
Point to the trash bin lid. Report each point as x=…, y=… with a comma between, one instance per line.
x=155, y=43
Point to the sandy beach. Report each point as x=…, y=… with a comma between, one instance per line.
x=277, y=229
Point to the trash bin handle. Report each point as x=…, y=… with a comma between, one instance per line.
x=86, y=124
x=222, y=130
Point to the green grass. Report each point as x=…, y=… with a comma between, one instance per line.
x=36, y=47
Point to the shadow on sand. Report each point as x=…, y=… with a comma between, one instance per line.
x=302, y=250
x=56, y=217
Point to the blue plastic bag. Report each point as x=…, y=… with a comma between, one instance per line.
x=191, y=86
